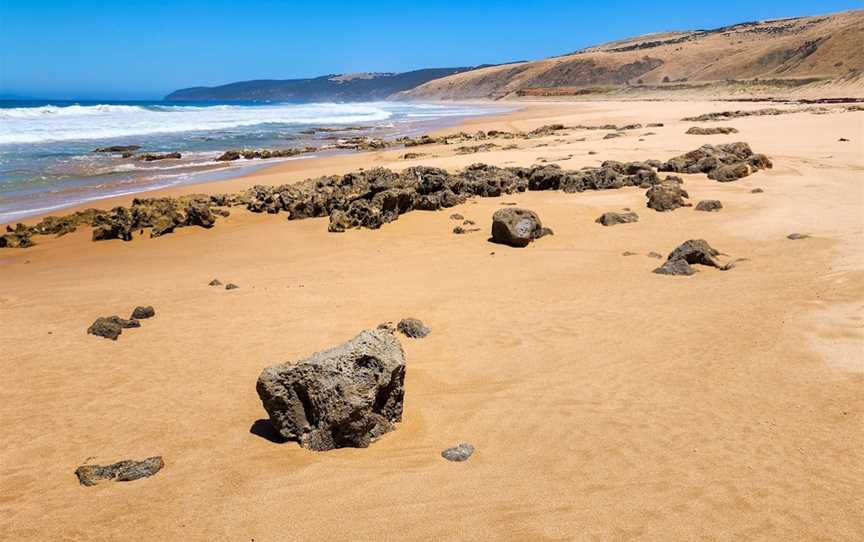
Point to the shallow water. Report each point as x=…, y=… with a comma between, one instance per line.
x=46, y=148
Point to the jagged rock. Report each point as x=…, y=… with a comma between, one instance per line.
x=122, y=471
x=797, y=236
x=111, y=327
x=714, y=130
x=516, y=227
x=118, y=224
x=458, y=453
x=666, y=196
x=694, y=251
x=231, y=286
x=152, y=157
x=414, y=328
x=16, y=240
x=347, y=396
x=198, y=213
x=611, y=219
x=709, y=205
x=140, y=313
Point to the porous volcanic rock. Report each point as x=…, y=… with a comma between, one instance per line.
x=694, y=251
x=666, y=196
x=517, y=227
x=142, y=312
x=122, y=471
x=347, y=396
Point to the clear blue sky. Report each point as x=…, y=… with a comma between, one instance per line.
x=101, y=49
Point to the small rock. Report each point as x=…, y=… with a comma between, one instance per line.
x=611, y=219
x=657, y=255
x=468, y=223
x=628, y=253
x=387, y=326
x=231, y=286
x=756, y=191
x=842, y=139
x=456, y=216
x=215, y=282
x=592, y=153
x=458, y=453
x=797, y=236
x=414, y=328
x=709, y=205
x=141, y=313
x=122, y=471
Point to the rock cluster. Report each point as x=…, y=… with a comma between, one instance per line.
x=347, y=396
x=714, y=130
x=161, y=215
x=110, y=327
x=722, y=163
x=122, y=471
x=770, y=111
x=371, y=198
x=694, y=251
x=17, y=237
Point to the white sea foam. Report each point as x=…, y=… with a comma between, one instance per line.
x=76, y=122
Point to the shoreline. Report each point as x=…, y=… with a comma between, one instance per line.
x=525, y=117
x=215, y=171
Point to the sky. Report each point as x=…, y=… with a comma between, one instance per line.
x=87, y=49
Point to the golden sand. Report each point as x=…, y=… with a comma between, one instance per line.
x=605, y=402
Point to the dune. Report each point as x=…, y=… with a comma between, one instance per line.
x=603, y=401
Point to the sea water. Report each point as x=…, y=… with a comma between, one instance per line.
x=46, y=148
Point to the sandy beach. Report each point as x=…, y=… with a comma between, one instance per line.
x=605, y=402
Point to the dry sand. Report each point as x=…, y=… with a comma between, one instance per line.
x=605, y=402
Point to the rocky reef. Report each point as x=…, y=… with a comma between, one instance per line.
x=371, y=198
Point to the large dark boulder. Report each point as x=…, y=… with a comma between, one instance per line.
x=347, y=396
x=122, y=471
x=516, y=227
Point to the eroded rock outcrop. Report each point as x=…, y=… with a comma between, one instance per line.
x=347, y=396
x=713, y=130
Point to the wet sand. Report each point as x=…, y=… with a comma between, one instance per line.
x=605, y=402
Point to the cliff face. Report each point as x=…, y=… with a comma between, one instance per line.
x=345, y=87
x=809, y=54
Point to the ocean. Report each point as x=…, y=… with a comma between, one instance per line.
x=46, y=147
